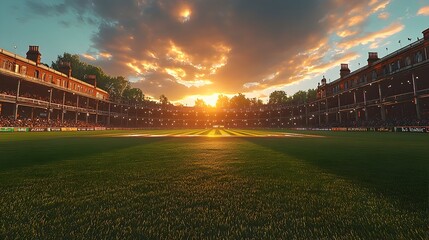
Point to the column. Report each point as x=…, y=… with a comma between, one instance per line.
x=63, y=108
x=382, y=107
x=49, y=105
x=416, y=99
x=426, y=53
x=339, y=109
x=108, y=117
x=355, y=101
x=87, y=110
x=326, y=112
x=364, y=103
x=96, y=112
x=77, y=107
x=15, y=115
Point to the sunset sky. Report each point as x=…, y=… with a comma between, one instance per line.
x=200, y=48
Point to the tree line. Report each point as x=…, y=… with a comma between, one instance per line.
x=119, y=89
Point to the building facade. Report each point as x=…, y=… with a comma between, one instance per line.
x=391, y=91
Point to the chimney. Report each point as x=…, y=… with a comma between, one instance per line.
x=344, y=71
x=65, y=68
x=33, y=54
x=91, y=79
x=372, y=58
x=426, y=34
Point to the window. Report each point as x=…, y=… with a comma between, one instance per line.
x=419, y=57
x=398, y=64
x=8, y=65
x=50, y=79
x=36, y=73
x=43, y=76
x=385, y=70
x=408, y=61
x=23, y=70
x=374, y=75
x=392, y=67
x=16, y=68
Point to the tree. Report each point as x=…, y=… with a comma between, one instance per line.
x=115, y=86
x=239, y=101
x=163, y=100
x=133, y=95
x=256, y=102
x=222, y=101
x=199, y=103
x=278, y=98
x=311, y=95
x=299, y=97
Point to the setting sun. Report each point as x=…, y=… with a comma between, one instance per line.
x=210, y=100
x=185, y=15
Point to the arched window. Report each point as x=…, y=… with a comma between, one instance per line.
x=24, y=70
x=374, y=75
x=419, y=57
x=385, y=70
x=408, y=61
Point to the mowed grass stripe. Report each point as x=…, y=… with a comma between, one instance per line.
x=233, y=133
x=244, y=132
x=204, y=132
x=212, y=132
x=229, y=132
x=224, y=133
x=200, y=132
x=195, y=132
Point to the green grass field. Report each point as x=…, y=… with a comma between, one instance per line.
x=217, y=184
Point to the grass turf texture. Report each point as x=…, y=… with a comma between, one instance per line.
x=98, y=185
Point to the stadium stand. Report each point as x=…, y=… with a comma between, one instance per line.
x=387, y=92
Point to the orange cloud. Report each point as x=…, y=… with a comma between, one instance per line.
x=371, y=37
x=424, y=11
x=384, y=15
x=197, y=48
x=89, y=57
x=351, y=22
x=379, y=5
x=105, y=55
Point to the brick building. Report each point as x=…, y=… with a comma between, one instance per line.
x=391, y=91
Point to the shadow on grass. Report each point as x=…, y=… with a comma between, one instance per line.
x=28, y=153
x=395, y=166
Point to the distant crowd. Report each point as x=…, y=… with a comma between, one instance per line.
x=381, y=123
x=40, y=123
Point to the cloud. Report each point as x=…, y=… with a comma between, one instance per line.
x=89, y=57
x=190, y=47
x=372, y=37
x=424, y=11
x=383, y=15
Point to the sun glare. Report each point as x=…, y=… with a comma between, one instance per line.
x=185, y=15
x=208, y=99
